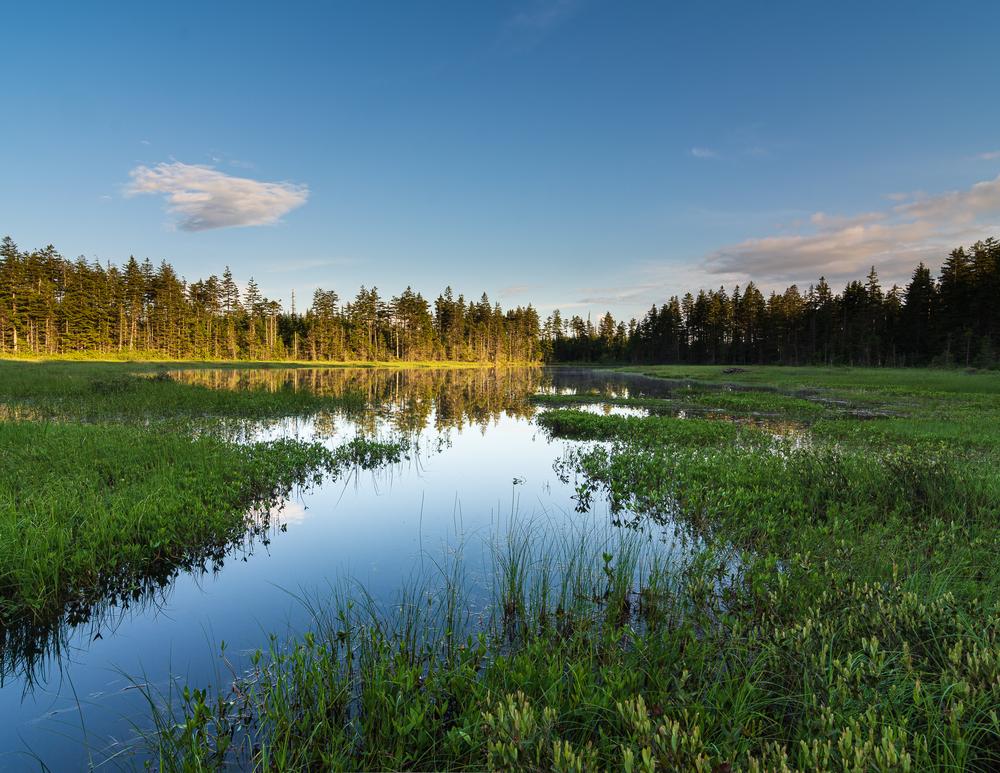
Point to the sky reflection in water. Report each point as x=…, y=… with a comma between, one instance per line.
x=480, y=460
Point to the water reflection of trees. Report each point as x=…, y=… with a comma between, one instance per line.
x=407, y=400
x=393, y=400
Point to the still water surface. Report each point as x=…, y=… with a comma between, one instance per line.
x=480, y=461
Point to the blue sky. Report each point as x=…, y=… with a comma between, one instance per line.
x=584, y=154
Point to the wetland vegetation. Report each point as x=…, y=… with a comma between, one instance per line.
x=114, y=478
x=535, y=385
x=797, y=568
x=834, y=604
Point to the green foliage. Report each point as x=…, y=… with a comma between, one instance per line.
x=759, y=402
x=837, y=607
x=579, y=425
x=954, y=320
x=52, y=306
x=118, y=501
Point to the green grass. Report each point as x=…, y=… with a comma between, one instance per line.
x=581, y=425
x=914, y=381
x=99, y=391
x=838, y=607
x=107, y=490
x=85, y=510
x=759, y=403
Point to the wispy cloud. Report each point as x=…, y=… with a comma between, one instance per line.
x=991, y=155
x=534, y=21
x=306, y=265
x=616, y=295
x=516, y=289
x=923, y=228
x=201, y=197
x=543, y=14
x=699, y=152
x=962, y=207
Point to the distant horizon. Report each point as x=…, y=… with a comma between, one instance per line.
x=574, y=154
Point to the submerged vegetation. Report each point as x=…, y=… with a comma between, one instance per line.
x=836, y=605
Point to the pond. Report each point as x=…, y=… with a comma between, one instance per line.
x=479, y=464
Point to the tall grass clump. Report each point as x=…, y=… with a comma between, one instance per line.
x=416, y=684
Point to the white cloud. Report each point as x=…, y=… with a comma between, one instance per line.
x=992, y=155
x=704, y=153
x=201, y=197
x=828, y=222
x=289, y=512
x=983, y=198
x=894, y=240
x=544, y=14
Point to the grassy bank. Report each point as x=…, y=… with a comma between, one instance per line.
x=914, y=381
x=90, y=510
x=838, y=607
x=877, y=407
x=105, y=491
x=141, y=393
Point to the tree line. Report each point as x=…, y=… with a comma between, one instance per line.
x=50, y=305
x=953, y=319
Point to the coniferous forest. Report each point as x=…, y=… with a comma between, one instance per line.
x=50, y=305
